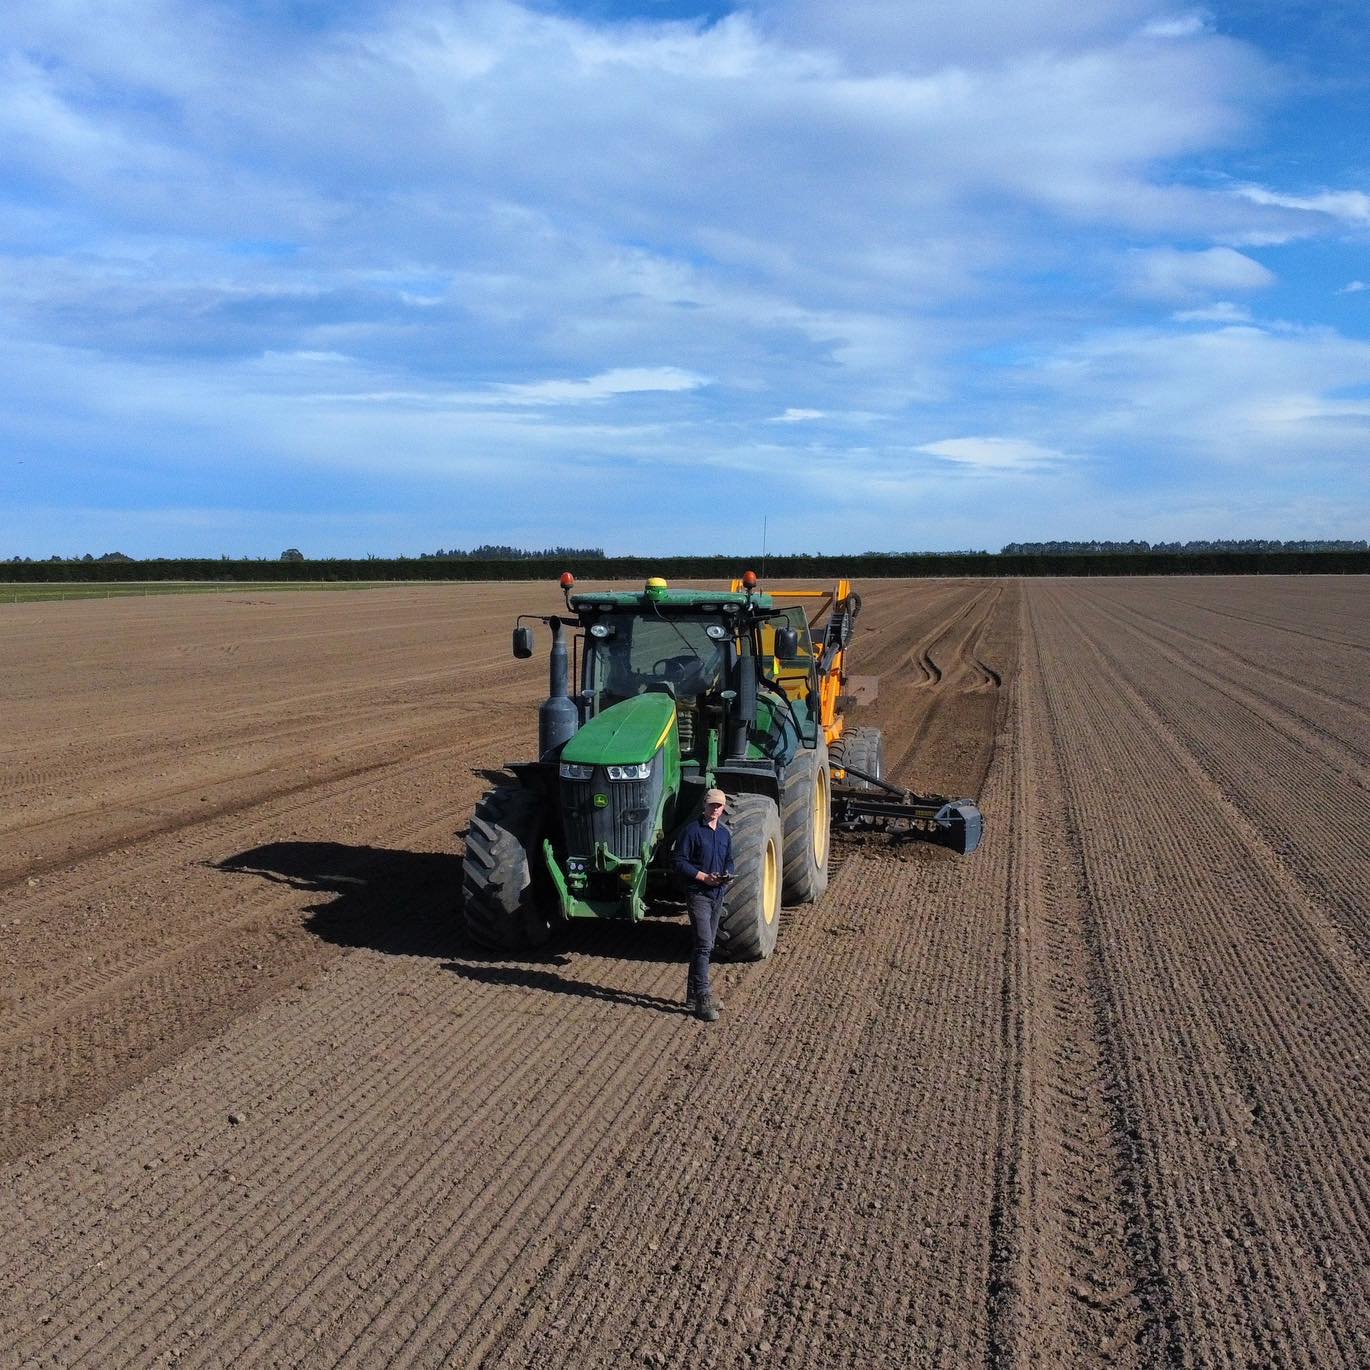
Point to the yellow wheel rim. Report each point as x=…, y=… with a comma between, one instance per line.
x=770, y=884
x=822, y=819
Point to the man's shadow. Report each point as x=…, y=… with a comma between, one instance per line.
x=404, y=903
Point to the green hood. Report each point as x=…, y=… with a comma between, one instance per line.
x=624, y=734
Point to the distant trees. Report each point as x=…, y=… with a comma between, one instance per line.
x=955, y=552
x=292, y=554
x=1134, y=548
x=491, y=551
x=108, y=556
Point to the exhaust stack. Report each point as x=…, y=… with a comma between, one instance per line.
x=558, y=717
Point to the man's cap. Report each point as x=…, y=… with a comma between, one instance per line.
x=716, y=797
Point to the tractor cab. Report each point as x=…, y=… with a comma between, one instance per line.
x=628, y=654
x=714, y=655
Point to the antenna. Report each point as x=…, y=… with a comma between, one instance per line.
x=764, y=520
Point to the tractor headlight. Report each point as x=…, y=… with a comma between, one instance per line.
x=641, y=772
x=717, y=631
x=602, y=629
x=570, y=771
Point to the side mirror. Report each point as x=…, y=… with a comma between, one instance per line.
x=523, y=642
x=786, y=642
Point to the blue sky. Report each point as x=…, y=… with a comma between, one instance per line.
x=377, y=277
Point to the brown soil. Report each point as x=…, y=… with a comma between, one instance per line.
x=1096, y=1094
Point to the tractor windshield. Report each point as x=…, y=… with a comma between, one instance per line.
x=639, y=654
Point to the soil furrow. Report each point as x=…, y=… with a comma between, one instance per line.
x=1243, y=667
x=1096, y=1094
x=1237, y=1169
x=1332, y=745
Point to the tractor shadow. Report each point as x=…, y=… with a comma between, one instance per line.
x=404, y=903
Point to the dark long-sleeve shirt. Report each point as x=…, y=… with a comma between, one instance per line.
x=702, y=848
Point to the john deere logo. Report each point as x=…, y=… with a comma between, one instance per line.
x=600, y=801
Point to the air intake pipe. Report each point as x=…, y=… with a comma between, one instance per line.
x=558, y=717
x=744, y=710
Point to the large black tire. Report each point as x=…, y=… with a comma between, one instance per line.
x=506, y=891
x=750, y=924
x=863, y=748
x=806, y=819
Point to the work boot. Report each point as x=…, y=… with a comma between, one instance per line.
x=706, y=1009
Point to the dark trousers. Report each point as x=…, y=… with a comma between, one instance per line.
x=705, y=908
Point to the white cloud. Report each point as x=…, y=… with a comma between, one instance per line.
x=422, y=208
x=304, y=356
x=1347, y=206
x=1353, y=288
x=1178, y=25
x=995, y=454
x=624, y=380
x=1277, y=404
x=1168, y=274
x=886, y=35
x=655, y=131
x=1220, y=311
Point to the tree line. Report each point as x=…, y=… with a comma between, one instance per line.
x=1041, y=549
x=1355, y=561
x=494, y=551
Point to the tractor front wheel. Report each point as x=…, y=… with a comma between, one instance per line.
x=750, y=924
x=806, y=814
x=504, y=885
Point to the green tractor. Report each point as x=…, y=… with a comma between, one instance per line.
x=679, y=691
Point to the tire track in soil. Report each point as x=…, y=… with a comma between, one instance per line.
x=1253, y=1152
x=930, y=715
x=958, y=651
x=1077, y=1275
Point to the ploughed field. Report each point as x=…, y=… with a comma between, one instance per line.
x=1099, y=1093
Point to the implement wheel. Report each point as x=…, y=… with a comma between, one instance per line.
x=806, y=816
x=863, y=748
x=505, y=886
x=751, y=907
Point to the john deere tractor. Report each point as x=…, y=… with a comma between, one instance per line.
x=677, y=691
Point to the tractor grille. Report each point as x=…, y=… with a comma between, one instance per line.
x=623, y=824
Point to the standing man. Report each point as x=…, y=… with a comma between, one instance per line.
x=704, y=860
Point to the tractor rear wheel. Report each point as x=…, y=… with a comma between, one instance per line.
x=806, y=816
x=863, y=748
x=503, y=880
x=750, y=924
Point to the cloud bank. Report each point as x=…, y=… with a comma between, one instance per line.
x=406, y=259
